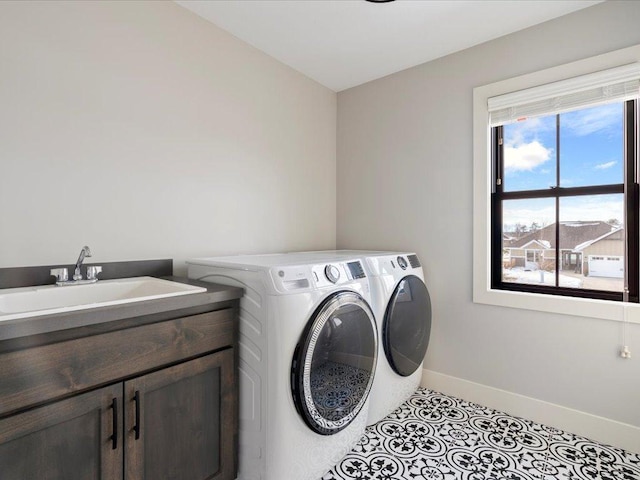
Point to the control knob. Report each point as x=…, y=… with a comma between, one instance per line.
x=402, y=263
x=332, y=273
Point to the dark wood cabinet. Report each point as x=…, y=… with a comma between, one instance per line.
x=177, y=419
x=168, y=410
x=70, y=439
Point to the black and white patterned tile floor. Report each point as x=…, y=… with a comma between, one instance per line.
x=437, y=437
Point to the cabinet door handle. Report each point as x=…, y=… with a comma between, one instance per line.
x=114, y=424
x=136, y=427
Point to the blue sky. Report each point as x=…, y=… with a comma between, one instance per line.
x=591, y=153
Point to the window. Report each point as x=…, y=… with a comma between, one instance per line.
x=559, y=194
x=534, y=118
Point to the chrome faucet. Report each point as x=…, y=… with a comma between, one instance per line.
x=62, y=275
x=85, y=252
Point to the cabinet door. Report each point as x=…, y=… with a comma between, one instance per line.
x=68, y=440
x=181, y=421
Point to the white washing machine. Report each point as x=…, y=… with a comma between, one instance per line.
x=402, y=307
x=307, y=356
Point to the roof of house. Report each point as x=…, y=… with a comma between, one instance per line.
x=588, y=243
x=537, y=244
x=572, y=234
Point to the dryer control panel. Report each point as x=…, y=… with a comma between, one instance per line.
x=394, y=264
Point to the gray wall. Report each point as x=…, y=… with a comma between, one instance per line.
x=405, y=182
x=144, y=131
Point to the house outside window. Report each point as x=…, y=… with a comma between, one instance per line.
x=561, y=188
x=585, y=241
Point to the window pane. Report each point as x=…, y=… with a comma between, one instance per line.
x=592, y=242
x=528, y=241
x=530, y=154
x=591, y=146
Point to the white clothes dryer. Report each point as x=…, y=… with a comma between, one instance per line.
x=307, y=355
x=402, y=307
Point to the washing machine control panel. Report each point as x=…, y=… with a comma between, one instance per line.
x=337, y=273
x=296, y=278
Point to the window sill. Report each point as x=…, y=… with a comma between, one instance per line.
x=582, y=307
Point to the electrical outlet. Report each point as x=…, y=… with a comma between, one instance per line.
x=625, y=352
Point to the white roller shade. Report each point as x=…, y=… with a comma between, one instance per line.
x=613, y=85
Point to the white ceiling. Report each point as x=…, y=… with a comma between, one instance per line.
x=344, y=43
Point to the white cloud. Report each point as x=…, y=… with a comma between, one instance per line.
x=526, y=216
x=596, y=207
x=542, y=211
x=607, y=118
x=604, y=166
x=539, y=210
x=526, y=156
x=530, y=129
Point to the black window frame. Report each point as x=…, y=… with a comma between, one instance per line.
x=629, y=188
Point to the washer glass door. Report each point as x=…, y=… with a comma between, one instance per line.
x=407, y=325
x=334, y=362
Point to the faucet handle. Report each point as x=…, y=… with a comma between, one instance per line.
x=61, y=274
x=93, y=271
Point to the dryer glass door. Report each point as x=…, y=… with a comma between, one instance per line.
x=407, y=325
x=334, y=362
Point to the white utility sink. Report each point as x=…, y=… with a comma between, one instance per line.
x=43, y=300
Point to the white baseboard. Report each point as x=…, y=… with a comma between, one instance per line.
x=596, y=428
